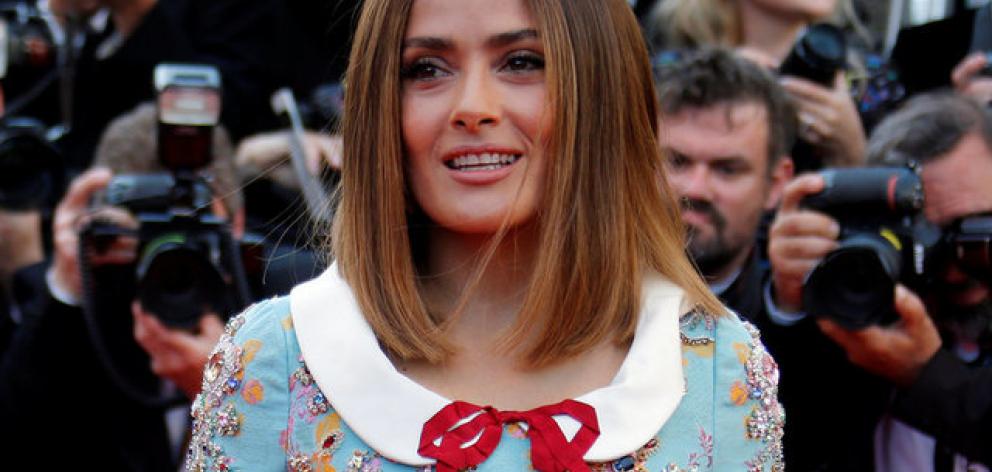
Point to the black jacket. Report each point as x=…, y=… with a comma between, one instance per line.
x=59, y=405
x=953, y=403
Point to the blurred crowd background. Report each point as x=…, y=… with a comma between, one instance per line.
x=165, y=163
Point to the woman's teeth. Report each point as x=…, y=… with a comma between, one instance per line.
x=480, y=162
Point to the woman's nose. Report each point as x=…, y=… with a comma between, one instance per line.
x=478, y=102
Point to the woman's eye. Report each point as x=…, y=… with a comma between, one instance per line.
x=524, y=62
x=422, y=70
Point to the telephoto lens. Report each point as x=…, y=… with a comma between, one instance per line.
x=31, y=169
x=884, y=240
x=854, y=284
x=817, y=56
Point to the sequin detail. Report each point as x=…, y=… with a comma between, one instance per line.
x=228, y=421
x=636, y=462
x=362, y=461
x=691, y=321
x=299, y=463
x=221, y=377
x=302, y=375
x=767, y=420
x=318, y=404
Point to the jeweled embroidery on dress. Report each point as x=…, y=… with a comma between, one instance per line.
x=767, y=420
x=691, y=321
x=308, y=401
x=636, y=462
x=364, y=461
x=222, y=376
x=307, y=404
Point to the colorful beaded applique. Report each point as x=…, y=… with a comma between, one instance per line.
x=636, y=462
x=767, y=421
x=690, y=322
x=221, y=378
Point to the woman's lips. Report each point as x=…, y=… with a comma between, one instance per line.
x=481, y=165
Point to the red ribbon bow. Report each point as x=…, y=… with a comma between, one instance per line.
x=550, y=451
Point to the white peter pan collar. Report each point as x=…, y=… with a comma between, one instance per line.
x=387, y=410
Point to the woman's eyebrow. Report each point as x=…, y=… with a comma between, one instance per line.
x=429, y=42
x=510, y=37
x=435, y=43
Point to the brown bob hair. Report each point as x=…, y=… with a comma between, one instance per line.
x=607, y=216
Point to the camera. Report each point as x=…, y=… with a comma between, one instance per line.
x=884, y=240
x=817, y=55
x=31, y=169
x=28, y=40
x=188, y=262
x=967, y=244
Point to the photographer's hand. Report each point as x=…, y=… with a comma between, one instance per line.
x=896, y=352
x=73, y=214
x=179, y=356
x=797, y=240
x=828, y=118
x=967, y=78
x=68, y=218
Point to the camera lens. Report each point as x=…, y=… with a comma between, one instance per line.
x=177, y=283
x=817, y=56
x=30, y=171
x=854, y=284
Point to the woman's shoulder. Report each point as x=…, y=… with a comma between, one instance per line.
x=730, y=374
x=244, y=393
x=265, y=318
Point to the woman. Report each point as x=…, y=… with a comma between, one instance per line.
x=765, y=31
x=504, y=237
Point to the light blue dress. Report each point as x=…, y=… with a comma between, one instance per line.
x=299, y=383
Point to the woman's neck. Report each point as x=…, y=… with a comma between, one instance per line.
x=492, y=304
x=768, y=32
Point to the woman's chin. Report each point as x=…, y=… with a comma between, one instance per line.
x=480, y=225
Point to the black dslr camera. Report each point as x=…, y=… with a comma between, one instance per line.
x=817, y=55
x=885, y=240
x=32, y=175
x=188, y=262
x=31, y=170
x=30, y=41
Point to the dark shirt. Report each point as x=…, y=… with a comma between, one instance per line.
x=58, y=394
x=953, y=403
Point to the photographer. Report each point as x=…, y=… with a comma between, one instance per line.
x=125, y=39
x=949, y=137
x=727, y=127
x=54, y=355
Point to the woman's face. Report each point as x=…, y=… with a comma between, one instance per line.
x=808, y=9
x=474, y=112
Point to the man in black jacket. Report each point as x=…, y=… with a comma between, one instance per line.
x=727, y=128
x=55, y=380
x=944, y=380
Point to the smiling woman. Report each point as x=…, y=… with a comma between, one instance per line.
x=504, y=237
